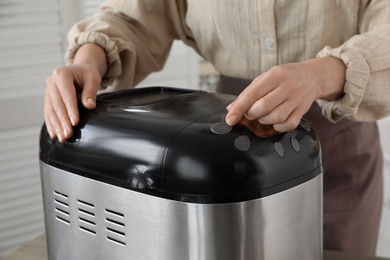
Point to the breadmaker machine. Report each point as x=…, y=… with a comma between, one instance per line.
x=156, y=174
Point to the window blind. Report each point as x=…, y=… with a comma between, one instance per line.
x=89, y=7
x=30, y=47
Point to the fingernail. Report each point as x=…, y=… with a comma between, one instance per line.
x=60, y=136
x=72, y=121
x=231, y=120
x=91, y=101
x=50, y=131
x=229, y=107
x=66, y=130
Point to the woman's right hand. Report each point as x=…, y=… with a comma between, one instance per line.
x=60, y=107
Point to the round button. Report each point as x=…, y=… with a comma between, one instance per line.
x=242, y=143
x=295, y=144
x=220, y=128
x=268, y=42
x=279, y=149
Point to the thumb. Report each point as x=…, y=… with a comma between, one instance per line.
x=88, y=94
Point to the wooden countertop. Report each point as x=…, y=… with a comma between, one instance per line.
x=36, y=250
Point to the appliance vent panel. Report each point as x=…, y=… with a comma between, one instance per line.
x=115, y=227
x=86, y=216
x=61, y=207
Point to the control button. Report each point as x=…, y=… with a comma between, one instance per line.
x=295, y=144
x=220, y=128
x=268, y=42
x=242, y=143
x=279, y=149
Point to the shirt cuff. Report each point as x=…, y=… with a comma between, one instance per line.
x=114, y=66
x=357, y=76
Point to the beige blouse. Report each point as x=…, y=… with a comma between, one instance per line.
x=244, y=38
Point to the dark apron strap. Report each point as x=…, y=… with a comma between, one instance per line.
x=353, y=179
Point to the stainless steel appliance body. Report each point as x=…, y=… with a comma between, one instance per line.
x=194, y=189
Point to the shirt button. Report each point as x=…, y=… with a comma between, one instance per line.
x=268, y=42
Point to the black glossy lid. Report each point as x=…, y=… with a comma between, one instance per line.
x=173, y=143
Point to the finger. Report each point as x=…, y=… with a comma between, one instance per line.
x=279, y=114
x=54, y=126
x=253, y=82
x=88, y=95
x=229, y=106
x=256, y=90
x=291, y=122
x=267, y=104
x=48, y=111
x=67, y=91
x=61, y=113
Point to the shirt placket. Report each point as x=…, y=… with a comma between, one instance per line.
x=267, y=39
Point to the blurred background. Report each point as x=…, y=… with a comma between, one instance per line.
x=32, y=43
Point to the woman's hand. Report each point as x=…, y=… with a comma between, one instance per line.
x=282, y=95
x=60, y=107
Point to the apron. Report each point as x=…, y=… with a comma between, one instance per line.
x=353, y=177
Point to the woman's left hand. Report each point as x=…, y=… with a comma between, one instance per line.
x=283, y=94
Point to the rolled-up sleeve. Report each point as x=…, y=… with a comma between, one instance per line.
x=367, y=57
x=136, y=35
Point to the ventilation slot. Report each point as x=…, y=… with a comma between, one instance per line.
x=116, y=241
x=61, y=207
x=86, y=217
x=115, y=227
